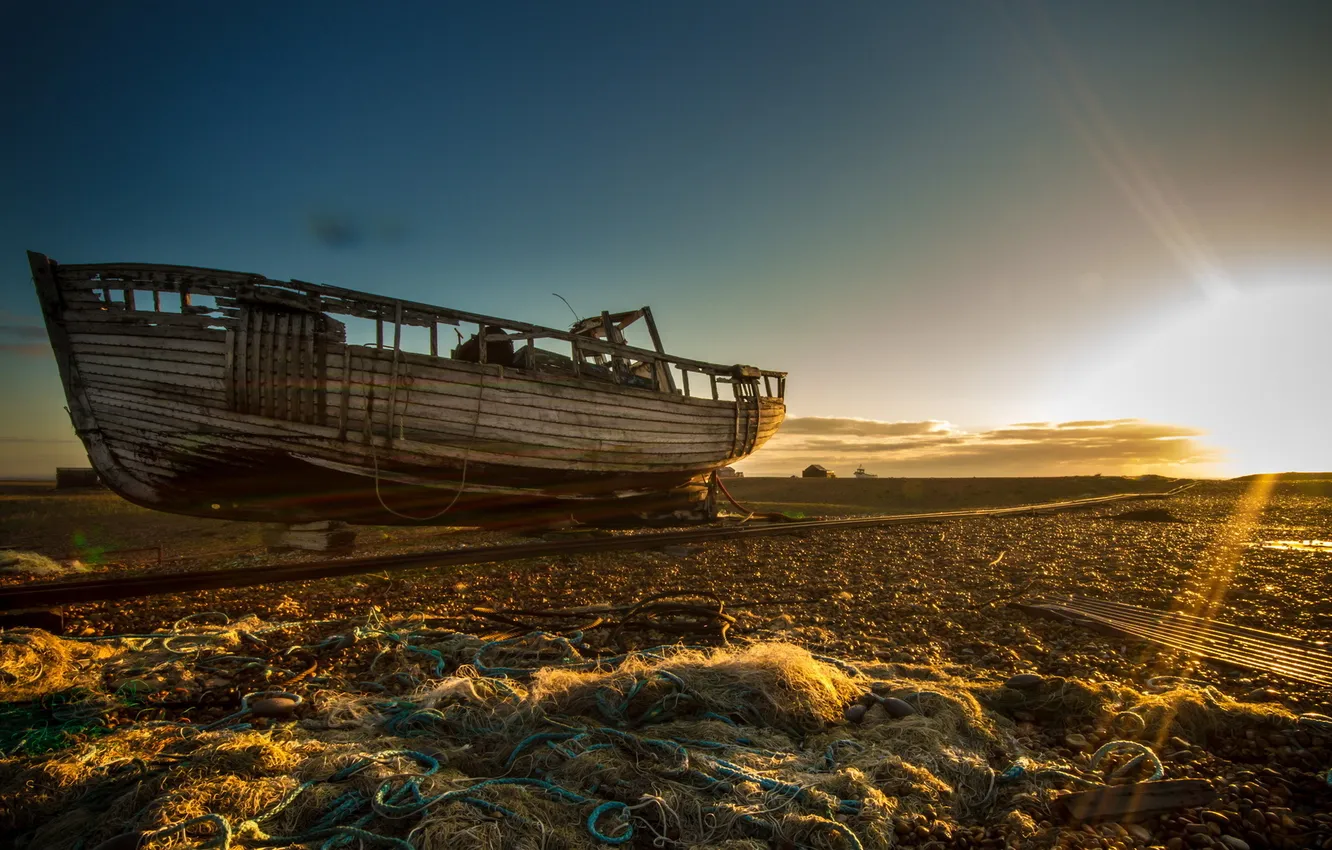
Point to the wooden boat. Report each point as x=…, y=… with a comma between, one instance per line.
x=223, y=394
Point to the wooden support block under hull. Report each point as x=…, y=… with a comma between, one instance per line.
x=311, y=537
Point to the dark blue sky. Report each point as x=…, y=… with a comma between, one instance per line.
x=927, y=210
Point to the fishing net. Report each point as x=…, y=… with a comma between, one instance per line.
x=32, y=563
x=396, y=734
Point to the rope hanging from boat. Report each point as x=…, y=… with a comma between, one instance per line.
x=462, y=483
x=716, y=479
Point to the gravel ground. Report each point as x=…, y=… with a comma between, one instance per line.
x=937, y=594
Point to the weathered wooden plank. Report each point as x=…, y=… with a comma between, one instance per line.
x=276, y=434
x=530, y=406
x=147, y=334
x=182, y=380
x=344, y=397
x=229, y=370
x=1126, y=803
x=393, y=374
x=442, y=431
x=367, y=421
x=272, y=359
x=316, y=346
x=608, y=420
x=445, y=375
x=300, y=365
x=281, y=369
x=111, y=318
x=594, y=438
x=255, y=406
x=169, y=389
x=242, y=397
x=79, y=346
x=166, y=365
x=446, y=395
x=164, y=271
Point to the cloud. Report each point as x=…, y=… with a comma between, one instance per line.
x=1110, y=446
x=1119, y=430
x=25, y=349
x=1093, y=423
x=337, y=230
x=24, y=331
x=43, y=440
x=862, y=427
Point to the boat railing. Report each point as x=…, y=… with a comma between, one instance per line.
x=117, y=287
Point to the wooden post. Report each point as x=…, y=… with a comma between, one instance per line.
x=282, y=369
x=684, y=377
x=368, y=430
x=312, y=391
x=656, y=343
x=272, y=354
x=346, y=392
x=481, y=344
x=393, y=372
x=577, y=358
x=240, y=399
x=716, y=396
x=434, y=339
x=229, y=369
x=379, y=328
x=256, y=364
x=608, y=327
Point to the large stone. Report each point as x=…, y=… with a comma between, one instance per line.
x=1025, y=681
x=278, y=708
x=897, y=708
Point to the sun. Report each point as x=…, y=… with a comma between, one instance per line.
x=1250, y=369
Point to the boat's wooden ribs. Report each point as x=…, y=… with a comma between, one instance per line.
x=276, y=363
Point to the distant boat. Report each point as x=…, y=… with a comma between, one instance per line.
x=861, y=473
x=223, y=394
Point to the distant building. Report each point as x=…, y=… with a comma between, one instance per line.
x=861, y=473
x=728, y=472
x=70, y=476
x=816, y=471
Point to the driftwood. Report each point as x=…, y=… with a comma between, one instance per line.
x=1134, y=802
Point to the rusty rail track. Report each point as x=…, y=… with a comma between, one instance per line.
x=55, y=594
x=1227, y=643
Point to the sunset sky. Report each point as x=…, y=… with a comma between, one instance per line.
x=984, y=238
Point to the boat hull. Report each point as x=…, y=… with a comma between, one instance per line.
x=252, y=412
